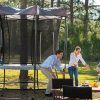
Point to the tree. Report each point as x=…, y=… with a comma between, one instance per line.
x=42, y=3
x=23, y=48
x=86, y=17
x=71, y=14
x=58, y=3
x=52, y=3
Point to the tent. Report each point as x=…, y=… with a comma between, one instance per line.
x=34, y=13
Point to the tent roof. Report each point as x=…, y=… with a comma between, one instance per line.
x=4, y=10
x=57, y=11
x=34, y=10
x=29, y=11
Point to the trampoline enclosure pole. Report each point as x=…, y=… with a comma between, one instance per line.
x=65, y=43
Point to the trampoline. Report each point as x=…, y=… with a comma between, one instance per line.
x=39, y=40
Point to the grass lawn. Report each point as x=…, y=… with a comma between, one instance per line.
x=13, y=76
x=89, y=75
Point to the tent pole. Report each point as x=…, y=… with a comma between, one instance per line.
x=35, y=52
x=3, y=47
x=32, y=46
x=53, y=42
x=3, y=42
x=40, y=45
x=9, y=38
x=54, y=49
x=65, y=41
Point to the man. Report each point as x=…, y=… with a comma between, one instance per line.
x=53, y=61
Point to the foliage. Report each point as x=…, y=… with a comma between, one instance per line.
x=90, y=44
x=17, y=3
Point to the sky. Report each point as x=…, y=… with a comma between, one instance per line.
x=97, y=2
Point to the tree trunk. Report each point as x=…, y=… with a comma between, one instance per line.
x=71, y=10
x=71, y=15
x=86, y=18
x=58, y=3
x=23, y=48
x=42, y=3
x=52, y=3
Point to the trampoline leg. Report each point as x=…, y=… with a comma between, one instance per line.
x=4, y=80
x=37, y=80
x=34, y=78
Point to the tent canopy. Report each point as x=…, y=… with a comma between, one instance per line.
x=14, y=13
x=4, y=10
x=36, y=33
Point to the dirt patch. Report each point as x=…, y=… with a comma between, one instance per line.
x=14, y=94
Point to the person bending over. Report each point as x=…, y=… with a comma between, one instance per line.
x=53, y=61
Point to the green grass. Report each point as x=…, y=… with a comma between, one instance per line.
x=13, y=76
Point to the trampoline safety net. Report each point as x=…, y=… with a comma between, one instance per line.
x=19, y=40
